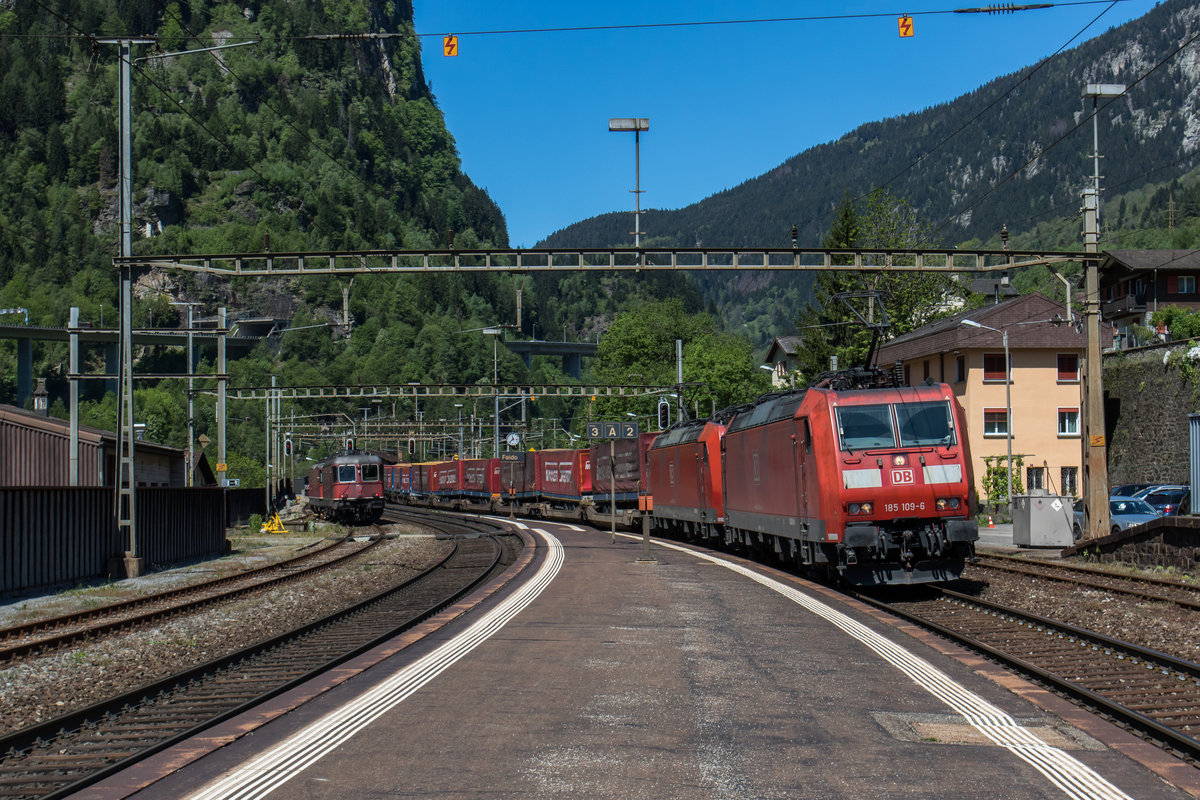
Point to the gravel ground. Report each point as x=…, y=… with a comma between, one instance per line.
x=45, y=687
x=1159, y=626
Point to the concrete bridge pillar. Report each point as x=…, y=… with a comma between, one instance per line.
x=24, y=371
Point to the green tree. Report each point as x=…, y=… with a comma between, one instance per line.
x=719, y=369
x=908, y=299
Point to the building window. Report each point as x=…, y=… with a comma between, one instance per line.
x=995, y=422
x=993, y=367
x=1068, y=422
x=1068, y=367
x=1187, y=284
x=1035, y=478
x=1070, y=481
x=960, y=369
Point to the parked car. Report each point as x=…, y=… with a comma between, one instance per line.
x=1130, y=489
x=1168, y=500
x=1123, y=512
x=1154, y=487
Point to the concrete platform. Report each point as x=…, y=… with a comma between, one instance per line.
x=688, y=677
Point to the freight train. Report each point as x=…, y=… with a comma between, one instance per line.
x=347, y=487
x=870, y=486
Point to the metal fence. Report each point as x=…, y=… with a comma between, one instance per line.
x=51, y=536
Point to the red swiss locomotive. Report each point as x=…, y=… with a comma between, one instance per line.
x=347, y=487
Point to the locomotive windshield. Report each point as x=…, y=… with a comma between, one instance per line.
x=925, y=424
x=370, y=472
x=861, y=427
x=873, y=426
x=345, y=473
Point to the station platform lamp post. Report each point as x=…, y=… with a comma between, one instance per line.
x=1008, y=421
x=637, y=125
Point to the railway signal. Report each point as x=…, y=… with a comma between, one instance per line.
x=664, y=415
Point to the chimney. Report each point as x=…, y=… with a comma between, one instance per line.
x=41, y=399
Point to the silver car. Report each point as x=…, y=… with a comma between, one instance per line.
x=1125, y=512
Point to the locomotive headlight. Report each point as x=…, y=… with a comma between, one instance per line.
x=866, y=508
x=899, y=460
x=944, y=503
x=853, y=508
x=941, y=504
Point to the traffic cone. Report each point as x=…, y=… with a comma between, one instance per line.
x=990, y=523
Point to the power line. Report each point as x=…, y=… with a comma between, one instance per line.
x=1023, y=79
x=1086, y=118
x=991, y=10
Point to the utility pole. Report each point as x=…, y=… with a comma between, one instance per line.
x=125, y=562
x=1095, y=450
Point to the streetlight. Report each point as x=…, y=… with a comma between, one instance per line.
x=459, y=406
x=637, y=125
x=191, y=416
x=495, y=333
x=1007, y=403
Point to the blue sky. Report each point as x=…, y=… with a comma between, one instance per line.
x=529, y=111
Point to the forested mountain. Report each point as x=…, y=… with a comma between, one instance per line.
x=293, y=143
x=1020, y=162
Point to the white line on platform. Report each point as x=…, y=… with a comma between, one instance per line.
x=1062, y=769
x=266, y=772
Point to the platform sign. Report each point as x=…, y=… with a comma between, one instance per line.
x=612, y=430
x=517, y=457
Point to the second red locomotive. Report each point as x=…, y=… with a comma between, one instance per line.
x=347, y=487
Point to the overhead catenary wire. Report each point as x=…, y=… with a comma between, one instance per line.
x=1083, y=121
x=1021, y=80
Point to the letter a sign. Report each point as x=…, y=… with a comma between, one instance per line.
x=906, y=27
x=450, y=45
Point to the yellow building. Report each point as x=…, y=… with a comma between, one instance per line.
x=1046, y=352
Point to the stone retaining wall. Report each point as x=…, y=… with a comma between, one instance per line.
x=1168, y=542
x=1149, y=393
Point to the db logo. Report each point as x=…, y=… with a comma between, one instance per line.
x=902, y=476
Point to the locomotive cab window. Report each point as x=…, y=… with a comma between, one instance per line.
x=862, y=427
x=925, y=424
x=370, y=472
x=345, y=473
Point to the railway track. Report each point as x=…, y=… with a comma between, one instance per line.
x=62, y=756
x=1151, y=693
x=52, y=633
x=1178, y=593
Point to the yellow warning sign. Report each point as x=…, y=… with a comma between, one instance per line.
x=906, y=26
x=450, y=45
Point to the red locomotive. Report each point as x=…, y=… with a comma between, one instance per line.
x=871, y=485
x=347, y=487
x=683, y=469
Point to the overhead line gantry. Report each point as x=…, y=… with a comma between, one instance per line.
x=550, y=260
x=264, y=265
